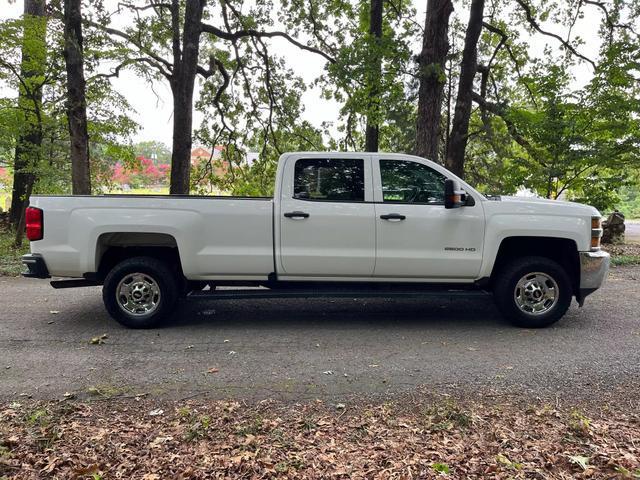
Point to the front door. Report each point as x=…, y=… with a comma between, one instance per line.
x=327, y=218
x=416, y=236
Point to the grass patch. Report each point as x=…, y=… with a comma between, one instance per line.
x=625, y=260
x=107, y=391
x=446, y=415
x=10, y=263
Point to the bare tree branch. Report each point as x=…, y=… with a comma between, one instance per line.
x=516, y=63
x=607, y=16
x=162, y=65
x=249, y=32
x=536, y=26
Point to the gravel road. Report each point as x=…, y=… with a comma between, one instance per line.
x=304, y=349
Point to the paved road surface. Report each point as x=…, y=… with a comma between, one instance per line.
x=632, y=231
x=282, y=348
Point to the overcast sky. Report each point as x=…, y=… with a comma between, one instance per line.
x=153, y=112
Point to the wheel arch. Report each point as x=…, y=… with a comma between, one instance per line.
x=114, y=247
x=562, y=250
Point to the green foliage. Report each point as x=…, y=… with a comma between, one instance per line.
x=364, y=65
x=442, y=468
x=10, y=262
x=580, y=143
x=625, y=260
x=157, y=151
x=109, y=122
x=579, y=424
x=630, y=198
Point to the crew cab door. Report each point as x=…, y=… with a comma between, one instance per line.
x=326, y=217
x=416, y=236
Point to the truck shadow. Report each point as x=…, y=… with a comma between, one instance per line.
x=345, y=313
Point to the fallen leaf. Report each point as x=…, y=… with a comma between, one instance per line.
x=98, y=340
x=156, y=412
x=213, y=370
x=582, y=462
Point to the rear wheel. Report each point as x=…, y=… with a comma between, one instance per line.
x=533, y=292
x=140, y=292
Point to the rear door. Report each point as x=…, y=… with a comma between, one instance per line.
x=327, y=217
x=416, y=236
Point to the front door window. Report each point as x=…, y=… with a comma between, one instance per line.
x=410, y=182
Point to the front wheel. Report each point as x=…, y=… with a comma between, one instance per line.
x=533, y=292
x=140, y=292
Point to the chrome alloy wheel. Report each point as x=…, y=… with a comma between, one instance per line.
x=536, y=293
x=138, y=294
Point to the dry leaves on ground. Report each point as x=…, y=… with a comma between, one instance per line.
x=315, y=440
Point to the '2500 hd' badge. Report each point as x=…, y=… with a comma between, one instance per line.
x=460, y=249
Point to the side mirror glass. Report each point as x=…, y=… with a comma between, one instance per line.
x=453, y=195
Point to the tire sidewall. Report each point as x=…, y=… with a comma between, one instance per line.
x=506, y=284
x=157, y=270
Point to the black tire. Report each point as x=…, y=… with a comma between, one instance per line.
x=162, y=291
x=505, y=285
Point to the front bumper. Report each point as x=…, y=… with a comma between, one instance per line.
x=36, y=268
x=593, y=272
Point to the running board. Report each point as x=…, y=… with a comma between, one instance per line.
x=328, y=293
x=74, y=283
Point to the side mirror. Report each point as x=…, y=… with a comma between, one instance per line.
x=453, y=194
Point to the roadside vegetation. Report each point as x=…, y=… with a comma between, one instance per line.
x=10, y=255
x=624, y=255
x=416, y=439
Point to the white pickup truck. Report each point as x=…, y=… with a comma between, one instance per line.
x=339, y=224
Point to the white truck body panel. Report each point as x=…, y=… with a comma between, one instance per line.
x=216, y=238
x=530, y=217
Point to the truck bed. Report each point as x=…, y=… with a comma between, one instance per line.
x=226, y=237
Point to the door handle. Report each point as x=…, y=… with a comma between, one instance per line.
x=392, y=216
x=296, y=214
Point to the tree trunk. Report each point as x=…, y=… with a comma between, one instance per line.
x=76, y=98
x=375, y=73
x=29, y=140
x=431, y=74
x=462, y=114
x=185, y=61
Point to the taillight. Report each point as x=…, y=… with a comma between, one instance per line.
x=34, y=222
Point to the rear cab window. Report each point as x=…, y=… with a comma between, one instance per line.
x=329, y=179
